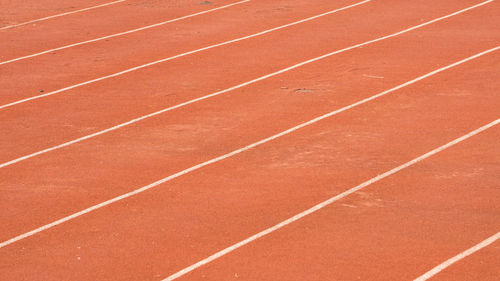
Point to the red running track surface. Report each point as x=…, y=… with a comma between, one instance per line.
x=395, y=229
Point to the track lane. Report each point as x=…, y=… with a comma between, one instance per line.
x=278, y=164
x=181, y=54
x=481, y=265
x=131, y=14
x=118, y=99
x=126, y=32
x=99, y=59
x=13, y=14
x=394, y=229
x=70, y=12
x=195, y=134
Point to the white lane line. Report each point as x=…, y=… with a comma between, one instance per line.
x=247, y=37
x=5, y=164
x=326, y=203
x=60, y=15
x=444, y=265
x=180, y=55
x=222, y=157
x=120, y=34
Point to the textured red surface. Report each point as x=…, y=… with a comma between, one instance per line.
x=396, y=229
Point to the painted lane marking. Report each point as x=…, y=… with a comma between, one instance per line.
x=19, y=159
x=240, y=150
x=326, y=203
x=60, y=15
x=447, y=263
x=119, y=34
x=179, y=55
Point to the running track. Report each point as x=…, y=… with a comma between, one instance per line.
x=398, y=131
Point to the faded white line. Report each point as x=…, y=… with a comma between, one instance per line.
x=222, y=157
x=180, y=55
x=373, y=76
x=222, y=92
x=447, y=263
x=60, y=15
x=120, y=34
x=325, y=203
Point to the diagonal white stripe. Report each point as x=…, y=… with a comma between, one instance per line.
x=5, y=164
x=119, y=34
x=325, y=203
x=60, y=15
x=240, y=150
x=177, y=56
x=447, y=263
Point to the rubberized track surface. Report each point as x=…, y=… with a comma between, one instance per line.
x=194, y=150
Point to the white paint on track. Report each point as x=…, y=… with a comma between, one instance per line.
x=447, y=263
x=255, y=144
x=121, y=33
x=5, y=164
x=326, y=203
x=60, y=15
x=178, y=56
